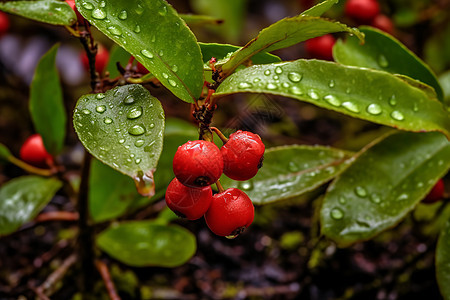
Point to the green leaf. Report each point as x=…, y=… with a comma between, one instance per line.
x=123, y=128
x=382, y=51
x=367, y=94
x=200, y=20
x=117, y=54
x=23, y=198
x=145, y=243
x=320, y=8
x=444, y=80
x=156, y=36
x=384, y=183
x=283, y=34
x=47, y=11
x=47, y=103
x=443, y=261
x=291, y=171
x=4, y=152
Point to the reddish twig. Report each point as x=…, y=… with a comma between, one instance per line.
x=109, y=284
x=57, y=216
x=219, y=134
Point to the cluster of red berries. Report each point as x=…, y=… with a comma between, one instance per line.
x=198, y=164
x=367, y=12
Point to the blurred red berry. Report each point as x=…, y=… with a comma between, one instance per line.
x=362, y=11
x=4, y=23
x=321, y=47
x=141, y=69
x=72, y=5
x=101, y=59
x=436, y=193
x=384, y=23
x=33, y=151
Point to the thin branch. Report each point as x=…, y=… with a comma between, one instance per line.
x=109, y=284
x=57, y=216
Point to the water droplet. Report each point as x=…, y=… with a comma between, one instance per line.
x=161, y=116
x=402, y=197
x=137, y=28
x=245, y=85
x=162, y=10
x=374, y=109
x=139, y=9
x=396, y=115
x=419, y=184
x=285, y=84
x=267, y=72
x=115, y=30
x=172, y=82
x=137, y=161
x=123, y=15
x=313, y=94
x=88, y=5
x=121, y=141
x=342, y=200
x=134, y=113
x=296, y=90
x=275, y=77
x=392, y=100
x=98, y=14
x=151, y=126
x=246, y=185
x=101, y=109
x=153, y=39
x=271, y=86
x=375, y=198
x=102, y=4
x=161, y=53
x=100, y=96
x=86, y=111
x=331, y=84
x=350, y=106
x=382, y=61
x=136, y=130
x=139, y=143
x=128, y=100
x=278, y=70
x=332, y=100
x=107, y=120
x=293, y=167
x=337, y=213
x=294, y=77
x=360, y=191
x=165, y=75
x=175, y=68
x=415, y=107
x=147, y=53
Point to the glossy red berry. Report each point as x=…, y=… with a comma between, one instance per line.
x=436, y=193
x=198, y=163
x=363, y=11
x=191, y=203
x=384, y=23
x=4, y=23
x=242, y=155
x=321, y=47
x=230, y=213
x=72, y=5
x=101, y=59
x=33, y=151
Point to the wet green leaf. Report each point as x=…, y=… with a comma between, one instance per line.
x=283, y=34
x=48, y=11
x=200, y=20
x=384, y=183
x=367, y=94
x=156, y=36
x=117, y=54
x=23, y=198
x=123, y=128
x=320, y=8
x=47, y=103
x=145, y=243
x=4, y=152
x=443, y=261
x=291, y=171
x=382, y=51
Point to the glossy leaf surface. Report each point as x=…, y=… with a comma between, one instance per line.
x=443, y=261
x=367, y=94
x=145, y=243
x=291, y=171
x=200, y=20
x=47, y=103
x=221, y=51
x=384, y=183
x=283, y=34
x=320, y=8
x=48, y=11
x=156, y=36
x=23, y=198
x=123, y=128
x=383, y=52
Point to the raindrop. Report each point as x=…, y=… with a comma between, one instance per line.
x=296, y=90
x=256, y=80
x=313, y=94
x=375, y=198
x=293, y=167
x=175, y=68
x=360, y=191
x=100, y=96
x=342, y=200
x=285, y=84
x=163, y=10
x=246, y=185
x=139, y=143
x=267, y=72
x=415, y=107
x=86, y=111
x=102, y=4
x=337, y=213
x=137, y=29
x=332, y=100
x=392, y=100
x=121, y=141
x=419, y=184
x=139, y=9
x=136, y=130
x=278, y=70
x=350, y=106
x=402, y=197
x=137, y=161
x=153, y=39
x=271, y=86
x=172, y=82
x=161, y=53
x=134, y=113
x=147, y=53
x=275, y=77
x=123, y=15
x=396, y=115
x=98, y=14
x=101, y=109
x=348, y=90
x=115, y=30
x=128, y=100
x=331, y=84
x=88, y=6
x=294, y=77
x=107, y=120
x=151, y=126
x=374, y=109
x=165, y=75
x=245, y=85
x=382, y=61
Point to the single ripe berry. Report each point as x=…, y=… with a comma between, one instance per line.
x=33, y=151
x=242, y=155
x=198, y=163
x=362, y=11
x=141, y=69
x=321, y=47
x=4, y=23
x=230, y=213
x=436, y=193
x=72, y=5
x=384, y=23
x=101, y=59
x=188, y=202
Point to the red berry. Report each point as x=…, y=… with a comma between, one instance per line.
x=141, y=69
x=101, y=59
x=242, y=155
x=4, y=23
x=188, y=202
x=384, y=23
x=321, y=47
x=362, y=11
x=436, y=193
x=72, y=5
x=198, y=163
x=33, y=151
x=230, y=213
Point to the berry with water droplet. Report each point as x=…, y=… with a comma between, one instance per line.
x=230, y=213
x=101, y=59
x=198, y=163
x=362, y=11
x=436, y=193
x=72, y=5
x=33, y=152
x=321, y=47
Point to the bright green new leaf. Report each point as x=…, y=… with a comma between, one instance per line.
x=4, y=152
x=382, y=51
x=320, y=8
x=367, y=94
x=291, y=171
x=47, y=11
x=117, y=55
x=47, y=103
x=146, y=243
x=384, y=183
x=23, y=198
x=123, y=128
x=156, y=36
x=443, y=261
x=283, y=34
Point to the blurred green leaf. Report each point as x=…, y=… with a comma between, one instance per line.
x=145, y=243
x=283, y=34
x=320, y=8
x=382, y=51
x=444, y=80
x=123, y=128
x=23, y=198
x=443, y=261
x=291, y=171
x=200, y=20
x=47, y=103
x=367, y=94
x=117, y=54
x=47, y=11
x=156, y=36
x=4, y=152
x=384, y=183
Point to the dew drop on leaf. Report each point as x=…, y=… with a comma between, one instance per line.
x=136, y=130
x=172, y=82
x=331, y=84
x=87, y=5
x=100, y=96
x=396, y=115
x=393, y=100
x=115, y=30
x=128, y=100
x=350, y=106
x=278, y=70
x=360, y=191
x=294, y=77
x=267, y=72
x=107, y=120
x=139, y=143
x=86, y=111
x=137, y=28
x=246, y=185
x=245, y=85
x=147, y=53
x=271, y=86
x=123, y=15
x=332, y=100
x=100, y=109
x=134, y=113
x=337, y=213
x=382, y=61
x=163, y=10
x=296, y=90
x=313, y=94
x=98, y=14
x=374, y=109
x=375, y=198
